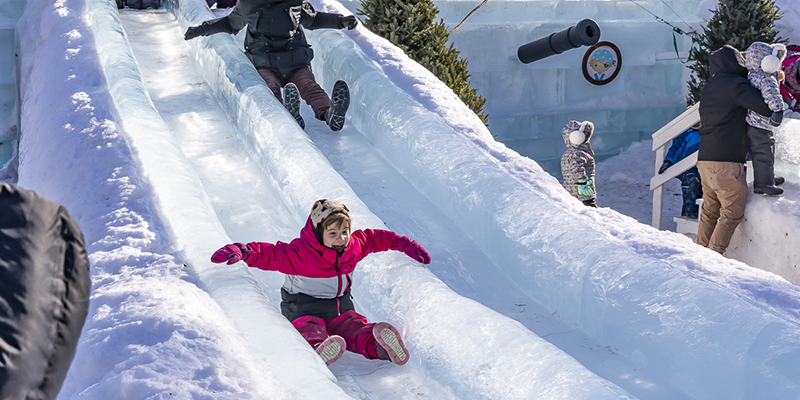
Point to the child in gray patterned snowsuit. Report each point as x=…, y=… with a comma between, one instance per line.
x=577, y=163
x=763, y=63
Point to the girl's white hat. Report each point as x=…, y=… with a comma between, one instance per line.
x=324, y=207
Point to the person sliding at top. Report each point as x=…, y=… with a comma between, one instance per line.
x=277, y=47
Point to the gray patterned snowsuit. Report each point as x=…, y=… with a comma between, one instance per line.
x=766, y=83
x=577, y=163
x=759, y=131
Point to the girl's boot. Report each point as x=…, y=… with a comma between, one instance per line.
x=388, y=343
x=331, y=349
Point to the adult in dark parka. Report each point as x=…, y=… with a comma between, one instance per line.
x=724, y=101
x=44, y=293
x=276, y=45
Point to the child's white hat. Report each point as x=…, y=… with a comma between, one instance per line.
x=579, y=131
x=772, y=63
x=323, y=208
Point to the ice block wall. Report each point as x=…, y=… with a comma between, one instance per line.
x=528, y=104
x=10, y=12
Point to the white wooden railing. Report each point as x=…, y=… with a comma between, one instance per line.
x=661, y=138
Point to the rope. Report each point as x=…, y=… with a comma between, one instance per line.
x=675, y=46
x=676, y=14
x=693, y=34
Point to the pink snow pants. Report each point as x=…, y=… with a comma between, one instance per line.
x=351, y=326
x=306, y=84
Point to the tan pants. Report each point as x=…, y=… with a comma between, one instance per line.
x=724, y=198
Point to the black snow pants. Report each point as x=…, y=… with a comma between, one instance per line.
x=762, y=152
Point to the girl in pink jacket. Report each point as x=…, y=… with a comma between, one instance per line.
x=316, y=293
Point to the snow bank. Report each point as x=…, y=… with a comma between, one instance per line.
x=768, y=236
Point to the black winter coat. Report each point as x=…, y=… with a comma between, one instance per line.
x=44, y=293
x=275, y=38
x=724, y=101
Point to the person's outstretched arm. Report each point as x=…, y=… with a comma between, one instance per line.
x=672, y=154
x=377, y=240
x=311, y=19
x=232, y=24
x=209, y=28
x=287, y=258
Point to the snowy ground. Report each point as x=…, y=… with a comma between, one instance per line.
x=623, y=184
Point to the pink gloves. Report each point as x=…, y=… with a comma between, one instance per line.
x=231, y=253
x=415, y=250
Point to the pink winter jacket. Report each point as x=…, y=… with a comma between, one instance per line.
x=790, y=87
x=314, y=269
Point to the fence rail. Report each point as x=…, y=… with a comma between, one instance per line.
x=661, y=138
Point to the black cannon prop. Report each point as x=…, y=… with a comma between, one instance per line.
x=585, y=33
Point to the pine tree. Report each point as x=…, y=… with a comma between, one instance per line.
x=410, y=25
x=738, y=23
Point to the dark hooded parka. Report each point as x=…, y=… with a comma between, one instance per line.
x=44, y=293
x=275, y=38
x=724, y=101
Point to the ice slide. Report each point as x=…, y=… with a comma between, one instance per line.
x=259, y=202
x=451, y=362
x=686, y=332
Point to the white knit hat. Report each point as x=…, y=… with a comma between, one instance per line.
x=323, y=208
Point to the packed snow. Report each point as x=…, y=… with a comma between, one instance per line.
x=165, y=150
